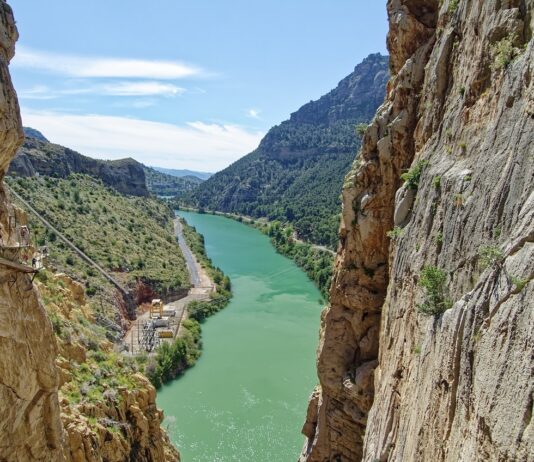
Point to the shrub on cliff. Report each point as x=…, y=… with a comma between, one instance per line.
x=433, y=281
x=412, y=176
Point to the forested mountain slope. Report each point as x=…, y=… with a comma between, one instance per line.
x=165, y=184
x=297, y=172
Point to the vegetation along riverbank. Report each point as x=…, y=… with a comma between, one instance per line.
x=316, y=261
x=173, y=358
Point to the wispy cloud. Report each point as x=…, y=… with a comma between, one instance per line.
x=37, y=92
x=99, y=67
x=142, y=89
x=124, y=88
x=254, y=113
x=196, y=145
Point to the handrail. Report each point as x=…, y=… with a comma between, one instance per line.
x=80, y=253
x=17, y=266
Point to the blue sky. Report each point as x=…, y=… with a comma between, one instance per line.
x=182, y=84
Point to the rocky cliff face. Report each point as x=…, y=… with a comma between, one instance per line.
x=30, y=427
x=398, y=383
x=42, y=363
x=38, y=156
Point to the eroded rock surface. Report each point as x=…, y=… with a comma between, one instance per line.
x=30, y=427
x=395, y=384
x=38, y=422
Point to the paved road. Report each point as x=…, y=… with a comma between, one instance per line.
x=188, y=255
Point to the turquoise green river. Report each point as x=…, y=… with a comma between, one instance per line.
x=245, y=399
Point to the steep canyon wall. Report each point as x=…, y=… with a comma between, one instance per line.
x=397, y=384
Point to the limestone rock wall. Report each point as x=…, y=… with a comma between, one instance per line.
x=30, y=428
x=395, y=384
x=34, y=425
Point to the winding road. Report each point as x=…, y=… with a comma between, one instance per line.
x=201, y=290
x=190, y=260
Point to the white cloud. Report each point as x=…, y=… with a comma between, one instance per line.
x=124, y=88
x=97, y=67
x=254, y=113
x=196, y=145
x=37, y=92
x=142, y=89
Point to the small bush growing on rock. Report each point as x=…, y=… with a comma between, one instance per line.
x=433, y=281
x=361, y=129
x=489, y=255
x=395, y=233
x=519, y=283
x=504, y=52
x=57, y=322
x=453, y=6
x=412, y=176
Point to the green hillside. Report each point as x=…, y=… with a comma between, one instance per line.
x=163, y=184
x=132, y=237
x=296, y=174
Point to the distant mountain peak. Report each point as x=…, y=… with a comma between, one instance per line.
x=183, y=173
x=355, y=98
x=296, y=174
x=33, y=133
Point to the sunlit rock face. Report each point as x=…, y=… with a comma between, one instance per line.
x=396, y=384
x=30, y=426
x=34, y=426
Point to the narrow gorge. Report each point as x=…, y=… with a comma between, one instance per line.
x=426, y=345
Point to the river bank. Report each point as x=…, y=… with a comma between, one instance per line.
x=316, y=261
x=245, y=397
x=210, y=292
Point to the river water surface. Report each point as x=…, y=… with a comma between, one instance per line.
x=245, y=400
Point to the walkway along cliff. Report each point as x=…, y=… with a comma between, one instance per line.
x=30, y=425
x=426, y=350
x=46, y=367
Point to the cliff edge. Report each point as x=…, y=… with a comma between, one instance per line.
x=426, y=351
x=38, y=156
x=65, y=396
x=30, y=426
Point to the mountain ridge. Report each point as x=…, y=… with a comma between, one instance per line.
x=182, y=172
x=38, y=156
x=296, y=173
